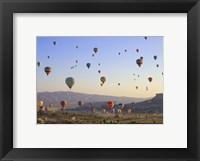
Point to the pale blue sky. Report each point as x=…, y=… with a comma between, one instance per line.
x=116, y=68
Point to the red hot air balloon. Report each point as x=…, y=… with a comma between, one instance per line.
x=110, y=105
x=150, y=79
x=63, y=104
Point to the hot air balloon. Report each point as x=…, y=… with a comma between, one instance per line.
x=93, y=55
x=125, y=50
x=48, y=57
x=38, y=64
x=110, y=104
x=101, y=84
x=40, y=103
x=95, y=50
x=138, y=76
x=99, y=71
x=103, y=111
x=155, y=57
x=88, y=65
x=63, y=104
x=141, y=58
x=103, y=79
x=80, y=103
x=118, y=84
x=54, y=42
x=76, y=61
x=133, y=73
x=139, y=62
x=137, y=50
x=70, y=81
x=99, y=64
x=121, y=106
x=77, y=47
x=150, y=79
x=162, y=73
x=157, y=65
x=145, y=38
x=129, y=110
x=118, y=53
x=48, y=70
x=136, y=87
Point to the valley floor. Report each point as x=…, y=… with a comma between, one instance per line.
x=97, y=118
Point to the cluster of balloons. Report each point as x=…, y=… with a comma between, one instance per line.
x=70, y=81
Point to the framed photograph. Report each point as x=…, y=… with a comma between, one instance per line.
x=99, y=80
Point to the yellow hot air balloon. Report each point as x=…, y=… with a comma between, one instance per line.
x=103, y=79
x=40, y=103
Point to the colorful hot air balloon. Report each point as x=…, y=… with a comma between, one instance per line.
x=139, y=62
x=121, y=106
x=40, y=103
x=63, y=104
x=103, y=79
x=110, y=104
x=88, y=65
x=70, y=81
x=80, y=103
x=129, y=110
x=137, y=50
x=95, y=50
x=157, y=65
x=48, y=70
x=38, y=64
x=150, y=79
x=155, y=57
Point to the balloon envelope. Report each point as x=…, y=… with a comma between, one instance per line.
x=103, y=79
x=110, y=104
x=88, y=65
x=40, y=103
x=48, y=70
x=63, y=103
x=70, y=81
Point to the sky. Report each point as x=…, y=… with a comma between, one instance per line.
x=116, y=68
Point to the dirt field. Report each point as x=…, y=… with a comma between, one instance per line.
x=97, y=118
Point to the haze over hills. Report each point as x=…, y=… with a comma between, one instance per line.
x=73, y=98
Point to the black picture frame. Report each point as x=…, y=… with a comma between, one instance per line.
x=191, y=7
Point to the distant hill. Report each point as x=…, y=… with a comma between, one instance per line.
x=73, y=98
x=149, y=106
